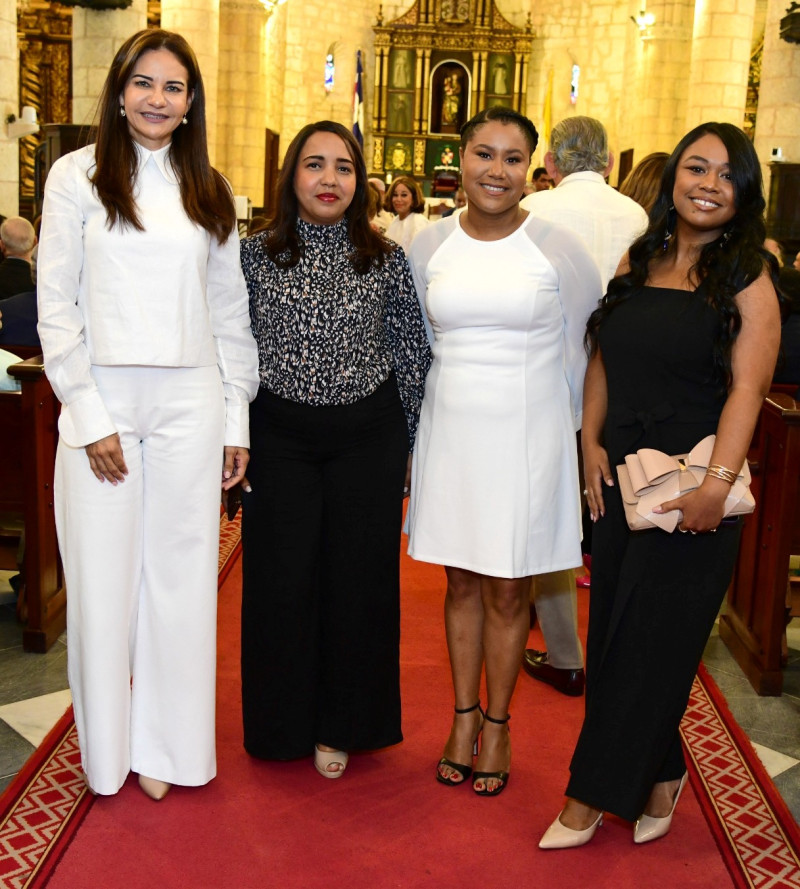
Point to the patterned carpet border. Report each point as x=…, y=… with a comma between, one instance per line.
x=757, y=837
x=42, y=809
x=756, y=834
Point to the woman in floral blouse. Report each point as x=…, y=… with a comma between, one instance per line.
x=343, y=357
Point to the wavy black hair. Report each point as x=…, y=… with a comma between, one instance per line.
x=282, y=243
x=726, y=265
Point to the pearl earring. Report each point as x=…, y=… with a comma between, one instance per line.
x=185, y=121
x=121, y=111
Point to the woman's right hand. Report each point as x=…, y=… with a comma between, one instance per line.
x=597, y=472
x=106, y=459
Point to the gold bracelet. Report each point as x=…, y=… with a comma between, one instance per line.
x=717, y=471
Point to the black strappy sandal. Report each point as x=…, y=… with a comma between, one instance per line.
x=501, y=776
x=463, y=770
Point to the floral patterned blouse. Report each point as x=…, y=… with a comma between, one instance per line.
x=327, y=335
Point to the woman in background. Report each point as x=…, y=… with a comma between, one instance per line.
x=643, y=183
x=343, y=357
x=405, y=198
x=145, y=332
x=495, y=494
x=683, y=346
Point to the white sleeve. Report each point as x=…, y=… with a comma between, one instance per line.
x=580, y=289
x=430, y=238
x=84, y=418
x=237, y=355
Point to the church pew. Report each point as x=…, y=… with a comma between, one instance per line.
x=29, y=421
x=755, y=617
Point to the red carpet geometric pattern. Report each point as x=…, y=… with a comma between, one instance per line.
x=52, y=800
x=757, y=836
x=48, y=798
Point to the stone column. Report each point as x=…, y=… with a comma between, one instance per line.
x=721, y=48
x=9, y=104
x=243, y=81
x=662, y=77
x=96, y=36
x=198, y=22
x=778, y=117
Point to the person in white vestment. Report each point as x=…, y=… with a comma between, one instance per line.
x=145, y=330
x=494, y=493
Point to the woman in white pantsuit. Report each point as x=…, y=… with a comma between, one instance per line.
x=145, y=330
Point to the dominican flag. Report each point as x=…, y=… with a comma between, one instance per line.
x=358, y=103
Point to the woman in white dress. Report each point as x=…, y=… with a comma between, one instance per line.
x=406, y=200
x=495, y=479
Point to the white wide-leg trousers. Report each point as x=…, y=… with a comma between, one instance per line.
x=140, y=560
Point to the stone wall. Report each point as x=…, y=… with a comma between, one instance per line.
x=9, y=104
x=96, y=36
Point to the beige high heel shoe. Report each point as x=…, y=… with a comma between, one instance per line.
x=154, y=788
x=325, y=758
x=648, y=828
x=559, y=836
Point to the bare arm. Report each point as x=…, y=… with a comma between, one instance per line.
x=752, y=363
x=596, y=467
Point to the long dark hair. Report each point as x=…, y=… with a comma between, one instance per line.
x=725, y=266
x=206, y=196
x=283, y=245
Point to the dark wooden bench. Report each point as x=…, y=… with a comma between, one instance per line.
x=754, y=623
x=29, y=420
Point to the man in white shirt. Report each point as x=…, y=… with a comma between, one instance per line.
x=578, y=162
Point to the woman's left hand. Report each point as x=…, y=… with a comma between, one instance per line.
x=703, y=508
x=234, y=464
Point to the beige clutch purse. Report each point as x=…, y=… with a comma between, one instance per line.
x=649, y=478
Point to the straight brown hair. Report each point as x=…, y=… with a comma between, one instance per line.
x=206, y=196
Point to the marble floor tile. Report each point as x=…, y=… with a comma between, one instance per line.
x=33, y=718
x=14, y=751
x=775, y=763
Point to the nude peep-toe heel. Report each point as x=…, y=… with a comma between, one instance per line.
x=325, y=758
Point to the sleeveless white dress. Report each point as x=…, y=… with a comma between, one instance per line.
x=495, y=476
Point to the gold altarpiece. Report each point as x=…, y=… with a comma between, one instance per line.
x=435, y=66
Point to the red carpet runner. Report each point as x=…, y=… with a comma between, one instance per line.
x=387, y=823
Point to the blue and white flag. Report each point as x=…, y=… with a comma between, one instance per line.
x=358, y=103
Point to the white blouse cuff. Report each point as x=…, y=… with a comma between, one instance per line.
x=85, y=421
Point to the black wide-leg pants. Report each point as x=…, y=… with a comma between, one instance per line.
x=321, y=589
x=655, y=597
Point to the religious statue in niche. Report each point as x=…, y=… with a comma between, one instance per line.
x=400, y=112
x=449, y=98
x=401, y=69
x=499, y=75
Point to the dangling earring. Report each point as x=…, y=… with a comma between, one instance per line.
x=121, y=111
x=667, y=232
x=726, y=237
x=184, y=121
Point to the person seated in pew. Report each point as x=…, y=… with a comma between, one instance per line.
x=19, y=319
x=7, y=382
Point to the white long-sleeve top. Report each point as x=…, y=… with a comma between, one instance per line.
x=168, y=296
